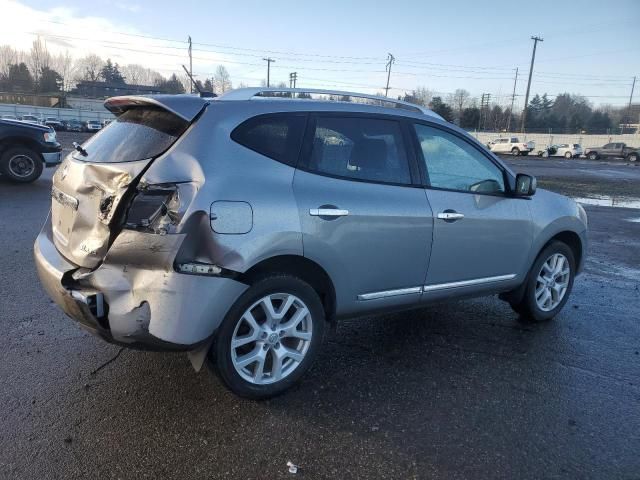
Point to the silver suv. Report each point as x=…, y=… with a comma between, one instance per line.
x=235, y=228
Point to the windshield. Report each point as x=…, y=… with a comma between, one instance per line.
x=137, y=134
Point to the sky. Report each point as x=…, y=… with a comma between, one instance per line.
x=590, y=47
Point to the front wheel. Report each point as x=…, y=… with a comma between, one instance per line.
x=269, y=338
x=549, y=283
x=21, y=165
x=593, y=156
x=515, y=151
x=568, y=155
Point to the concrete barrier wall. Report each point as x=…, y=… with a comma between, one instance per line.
x=100, y=113
x=543, y=139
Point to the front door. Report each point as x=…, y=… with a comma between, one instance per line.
x=363, y=219
x=482, y=236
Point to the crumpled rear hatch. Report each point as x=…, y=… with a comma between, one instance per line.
x=92, y=187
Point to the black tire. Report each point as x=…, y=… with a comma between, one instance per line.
x=593, y=156
x=220, y=359
x=515, y=151
x=632, y=157
x=527, y=307
x=21, y=164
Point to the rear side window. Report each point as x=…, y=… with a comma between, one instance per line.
x=277, y=136
x=137, y=134
x=360, y=148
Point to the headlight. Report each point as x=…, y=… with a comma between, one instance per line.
x=50, y=137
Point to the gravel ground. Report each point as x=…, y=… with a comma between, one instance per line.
x=458, y=390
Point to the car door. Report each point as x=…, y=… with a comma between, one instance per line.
x=364, y=216
x=481, y=235
x=608, y=150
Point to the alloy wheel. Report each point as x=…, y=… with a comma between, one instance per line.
x=552, y=282
x=271, y=338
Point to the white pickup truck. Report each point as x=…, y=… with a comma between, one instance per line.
x=510, y=145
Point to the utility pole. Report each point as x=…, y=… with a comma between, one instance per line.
x=293, y=78
x=630, y=100
x=390, y=60
x=513, y=99
x=268, y=60
x=484, y=104
x=526, y=97
x=190, y=66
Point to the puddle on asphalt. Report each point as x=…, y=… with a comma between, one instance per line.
x=609, y=201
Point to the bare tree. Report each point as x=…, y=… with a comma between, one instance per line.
x=459, y=100
x=8, y=56
x=88, y=68
x=221, y=80
x=39, y=58
x=64, y=65
x=139, y=75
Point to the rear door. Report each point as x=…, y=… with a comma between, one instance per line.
x=364, y=218
x=481, y=236
x=90, y=184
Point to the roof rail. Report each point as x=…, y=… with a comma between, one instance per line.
x=276, y=93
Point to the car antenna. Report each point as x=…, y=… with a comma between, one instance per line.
x=79, y=148
x=195, y=84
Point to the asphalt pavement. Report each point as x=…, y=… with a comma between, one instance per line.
x=456, y=390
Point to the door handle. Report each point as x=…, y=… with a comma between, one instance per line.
x=450, y=216
x=328, y=212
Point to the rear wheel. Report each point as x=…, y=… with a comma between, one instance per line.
x=593, y=156
x=269, y=338
x=568, y=155
x=549, y=284
x=633, y=157
x=21, y=164
x=515, y=151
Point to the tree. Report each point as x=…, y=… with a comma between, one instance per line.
x=470, y=117
x=535, y=104
x=64, y=65
x=8, y=56
x=111, y=73
x=139, y=75
x=208, y=86
x=221, y=80
x=441, y=108
x=172, y=85
x=50, y=81
x=88, y=68
x=18, y=79
x=419, y=96
x=459, y=99
x=39, y=58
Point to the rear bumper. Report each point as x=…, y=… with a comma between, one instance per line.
x=134, y=298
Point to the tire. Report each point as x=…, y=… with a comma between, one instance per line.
x=515, y=151
x=21, y=164
x=296, y=353
x=524, y=154
x=593, y=156
x=568, y=155
x=633, y=157
x=530, y=307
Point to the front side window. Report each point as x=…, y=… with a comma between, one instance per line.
x=360, y=148
x=454, y=164
x=276, y=136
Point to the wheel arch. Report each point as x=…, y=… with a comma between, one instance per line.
x=8, y=143
x=302, y=268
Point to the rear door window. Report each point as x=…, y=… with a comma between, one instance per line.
x=369, y=149
x=277, y=136
x=137, y=134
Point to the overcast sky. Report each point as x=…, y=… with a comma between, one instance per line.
x=589, y=47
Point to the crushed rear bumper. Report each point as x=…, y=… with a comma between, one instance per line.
x=135, y=298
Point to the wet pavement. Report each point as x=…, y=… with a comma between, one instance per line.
x=458, y=390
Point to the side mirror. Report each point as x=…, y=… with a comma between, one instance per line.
x=525, y=185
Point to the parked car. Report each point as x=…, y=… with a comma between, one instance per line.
x=74, y=126
x=25, y=149
x=105, y=123
x=566, y=150
x=613, y=150
x=547, y=151
x=93, y=126
x=54, y=123
x=235, y=229
x=9, y=117
x=31, y=119
x=511, y=145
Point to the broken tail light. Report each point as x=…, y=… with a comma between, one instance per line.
x=158, y=208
